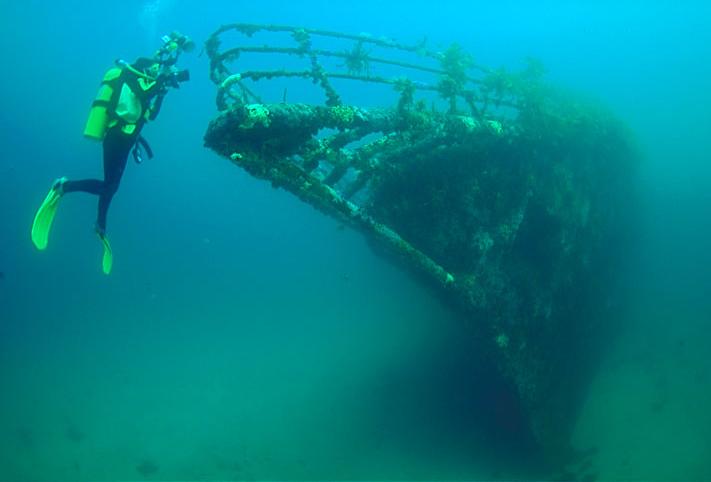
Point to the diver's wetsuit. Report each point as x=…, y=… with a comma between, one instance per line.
x=117, y=146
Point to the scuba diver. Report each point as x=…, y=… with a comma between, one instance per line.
x=130, y=95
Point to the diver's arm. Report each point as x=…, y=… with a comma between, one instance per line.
x=154, y=109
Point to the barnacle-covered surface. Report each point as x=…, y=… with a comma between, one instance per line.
x=512, y=199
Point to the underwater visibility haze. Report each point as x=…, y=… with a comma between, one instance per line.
x=376, y=240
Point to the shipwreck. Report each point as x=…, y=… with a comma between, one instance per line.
x=513, y=200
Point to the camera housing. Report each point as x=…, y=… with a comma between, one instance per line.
x=182, y=75
x=174, y=77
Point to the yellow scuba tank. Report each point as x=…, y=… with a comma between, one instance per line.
x=98, y=121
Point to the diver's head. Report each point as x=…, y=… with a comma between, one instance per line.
x=174, y=44
x=182, y=42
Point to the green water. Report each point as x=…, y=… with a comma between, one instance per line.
x=244, y=336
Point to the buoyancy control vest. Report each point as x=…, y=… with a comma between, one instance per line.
x=123, y=99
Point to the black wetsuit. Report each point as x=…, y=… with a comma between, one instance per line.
x=117, y=146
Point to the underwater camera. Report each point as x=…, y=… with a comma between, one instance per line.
x=173, y=78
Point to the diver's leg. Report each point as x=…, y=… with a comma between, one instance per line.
x=117, y=146
x=92, y=186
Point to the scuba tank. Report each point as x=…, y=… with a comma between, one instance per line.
x=98, y=121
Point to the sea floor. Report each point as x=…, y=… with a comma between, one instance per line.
x=167, y=405
x=647, y=414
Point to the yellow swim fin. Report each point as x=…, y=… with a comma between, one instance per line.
x=45, y=214
x=107, y=261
